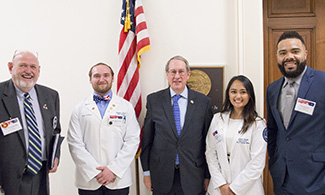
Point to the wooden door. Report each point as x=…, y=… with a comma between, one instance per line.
x=304, y=16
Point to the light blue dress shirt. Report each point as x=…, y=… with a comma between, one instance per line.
x=102, y=105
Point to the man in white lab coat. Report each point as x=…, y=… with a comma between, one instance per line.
x=103, y=137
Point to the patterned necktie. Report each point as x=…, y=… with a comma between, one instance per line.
x=35, y=145
x=177, y=118
x=97, y=98
x=289, y=103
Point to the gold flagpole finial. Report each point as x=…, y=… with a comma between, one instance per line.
x=127, y=23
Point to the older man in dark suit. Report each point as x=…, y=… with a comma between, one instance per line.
x=29, y=118
x=173, y=142
x=295, y=121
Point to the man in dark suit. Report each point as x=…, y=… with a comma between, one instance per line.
x=173, y=145
x=296, y=121
x=24, y=158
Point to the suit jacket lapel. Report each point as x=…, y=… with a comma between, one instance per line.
x=43, y=102
x=12, y=107
x=274, y=99
x=166, y=104
x=305, y=83
x=190, y=110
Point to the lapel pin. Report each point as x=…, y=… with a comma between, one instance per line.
x=192, y=102
x=45, y=106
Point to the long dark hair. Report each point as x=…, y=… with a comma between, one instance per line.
x=249, y=112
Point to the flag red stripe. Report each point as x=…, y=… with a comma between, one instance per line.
x=132, y=85
x=126, y=63
x=141, y=26
x=138, y=107
x=144, y=42
x=123, y=36
x=139, y=10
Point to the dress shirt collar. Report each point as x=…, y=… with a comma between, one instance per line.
x=184, y=94
x=110, y=93
x=20, y=94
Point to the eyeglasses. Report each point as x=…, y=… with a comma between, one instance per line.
x=180, y=72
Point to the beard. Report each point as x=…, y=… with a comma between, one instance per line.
x=292, y=74
x=22, y=84
x=102, y=90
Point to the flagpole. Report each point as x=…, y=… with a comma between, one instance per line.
x=137, y=176
x=128, y=85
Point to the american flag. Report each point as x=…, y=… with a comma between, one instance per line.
x=134, y=40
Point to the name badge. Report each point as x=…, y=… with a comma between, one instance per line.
x=10, y=126
x=243, y=140
x=117, y=120
x=305, y=106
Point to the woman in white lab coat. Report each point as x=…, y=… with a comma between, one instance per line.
x=236, y=143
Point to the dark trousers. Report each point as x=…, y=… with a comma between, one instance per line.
x=104, y=191
x=176, y=188
x=34, y=184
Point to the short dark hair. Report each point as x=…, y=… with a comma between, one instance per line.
x=100, y=63
x=291, y=35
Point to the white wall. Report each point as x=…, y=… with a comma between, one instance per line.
x=71, y=36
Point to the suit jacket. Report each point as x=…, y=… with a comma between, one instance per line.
x=247, y=159
x=110, y=141
x=13, y=157
x=298, y=151
x=161, y=143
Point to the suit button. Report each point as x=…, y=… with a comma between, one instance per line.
x=288, y=138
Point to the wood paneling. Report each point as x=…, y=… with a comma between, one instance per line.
x=290, y=8
x=304, y=16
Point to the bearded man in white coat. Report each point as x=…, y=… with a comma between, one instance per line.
x=103, y=137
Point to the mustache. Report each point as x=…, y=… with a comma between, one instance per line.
x=28, y=74
x=290, y=60
x=102, y=82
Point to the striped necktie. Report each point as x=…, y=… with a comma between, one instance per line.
x=177, y=118
x=35, y=145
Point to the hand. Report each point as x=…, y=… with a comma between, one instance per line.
x=206, y=184
x=55, y=166
x=147, y=182
x=225, y=190
x=231, y=192
x=106, y=176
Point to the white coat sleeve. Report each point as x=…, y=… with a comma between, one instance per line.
x=85, y=163
x=217, y=178
x=255, y=166
x=131, y=141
